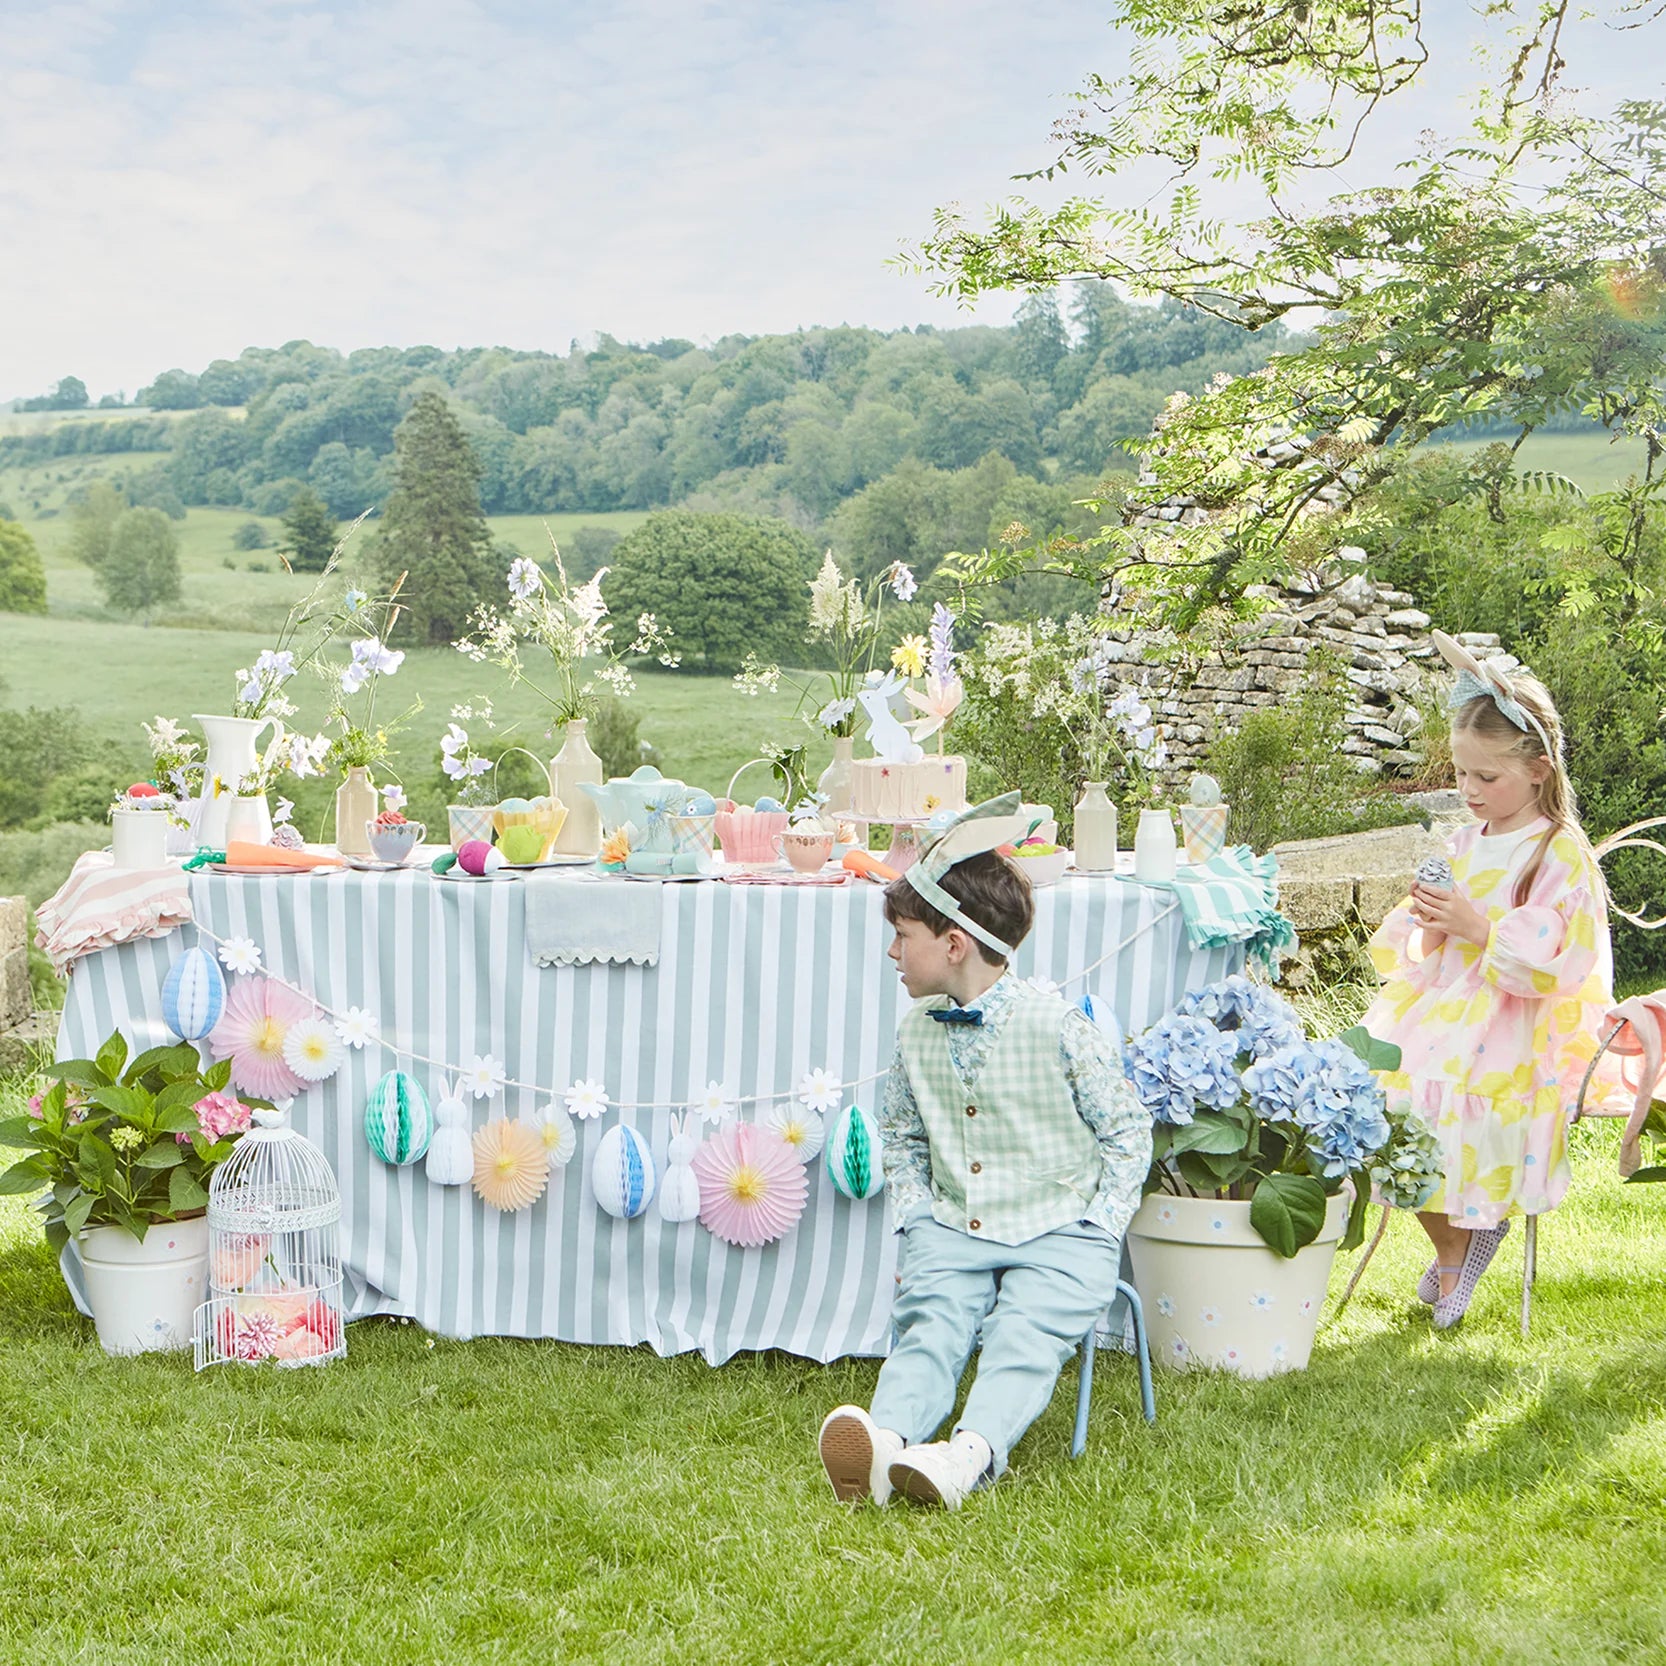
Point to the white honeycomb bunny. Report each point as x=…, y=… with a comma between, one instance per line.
x=679, y=1193
x=451, y=1151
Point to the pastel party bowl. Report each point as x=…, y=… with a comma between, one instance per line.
x=749, y=835
x=1042, y=870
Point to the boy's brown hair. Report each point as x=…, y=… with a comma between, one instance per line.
x=987, y=887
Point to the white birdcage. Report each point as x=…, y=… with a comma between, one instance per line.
x=274, y=1265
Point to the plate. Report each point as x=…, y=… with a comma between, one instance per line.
x=369, y=864
x=458, y=876
x=267, y=873
x=552, y=862
x=663, y=878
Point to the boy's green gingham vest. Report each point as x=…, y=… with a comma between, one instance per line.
x=1011, y=1157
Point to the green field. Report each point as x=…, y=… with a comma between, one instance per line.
x=1593, y=462
x=1413, y=1499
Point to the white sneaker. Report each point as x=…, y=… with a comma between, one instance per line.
x=857, y=1454
x=942, y=1472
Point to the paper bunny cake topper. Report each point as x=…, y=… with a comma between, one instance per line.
x=1476, y=678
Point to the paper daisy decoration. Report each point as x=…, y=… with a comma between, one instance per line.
x=240, y=954
x=313, y=1050
x=258, y=1016
x=484, y=1076
x=510, y=1168
x=752, y=1185
x=356, y=1027
x=558, y=1132
x=586, y=1100
x=713, y=1104
x=803, y=1130
x=821, y=1090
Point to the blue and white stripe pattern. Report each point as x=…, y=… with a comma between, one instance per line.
x=193, y=992
x=755, y=986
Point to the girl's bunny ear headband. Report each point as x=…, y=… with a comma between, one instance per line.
x=1476, y=678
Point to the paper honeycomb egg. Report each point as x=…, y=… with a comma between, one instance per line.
x=397, y=1121
x=193, y=994
x=622, y=1172
x=852, y=1154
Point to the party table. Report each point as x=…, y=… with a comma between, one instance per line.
x=755, y=986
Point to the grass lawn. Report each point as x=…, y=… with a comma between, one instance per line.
x=1410, y=1498
x=1591, y=461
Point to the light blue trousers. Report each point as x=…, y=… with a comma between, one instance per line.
x=1034, y=1302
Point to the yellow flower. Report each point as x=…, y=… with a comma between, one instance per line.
x=909, y=656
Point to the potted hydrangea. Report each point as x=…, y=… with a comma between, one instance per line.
x=1267, y=1145
x=123, y=1151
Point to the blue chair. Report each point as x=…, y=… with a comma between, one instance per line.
x=1084, y=1381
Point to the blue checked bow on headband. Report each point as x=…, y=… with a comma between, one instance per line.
x=1475, y=680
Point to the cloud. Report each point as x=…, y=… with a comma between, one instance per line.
x=187, y=179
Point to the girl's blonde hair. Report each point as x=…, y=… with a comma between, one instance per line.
x=1557, y=801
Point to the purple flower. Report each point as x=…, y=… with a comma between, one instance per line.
x=941, y=666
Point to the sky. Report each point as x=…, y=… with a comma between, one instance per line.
x=185, y=179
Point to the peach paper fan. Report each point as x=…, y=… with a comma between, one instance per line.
x=258, y=1017
x=752, y=1185
x=511, y=1167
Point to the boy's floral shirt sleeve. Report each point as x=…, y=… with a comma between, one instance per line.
x=903, y=1147
x=1121, y=1125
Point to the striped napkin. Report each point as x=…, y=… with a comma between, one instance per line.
x=1233, y=898
x=101, y=904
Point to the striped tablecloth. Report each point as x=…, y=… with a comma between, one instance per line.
x=755, y=986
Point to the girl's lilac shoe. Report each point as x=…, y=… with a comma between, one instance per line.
x=1483, y=1246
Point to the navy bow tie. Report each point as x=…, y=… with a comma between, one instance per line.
x=956, y=1015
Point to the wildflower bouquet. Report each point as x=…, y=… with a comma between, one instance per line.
x=360, y=741
x=176, y=764
x=120, y=1143
x=847, y=619
x=1245, y=1105
x=459, y=761
x=570, y=624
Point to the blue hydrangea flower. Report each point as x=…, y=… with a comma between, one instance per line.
x=1181, y=1063
x=1324, y=1088
x=1260, y=1020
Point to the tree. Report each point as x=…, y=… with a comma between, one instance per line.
x=250, y=535
x=722, y=584
x=90, y=521
x=309, y=533
x=173, y=390
x=1512, y=274
x=432, y=529
x=22, y=576
x=141, y=571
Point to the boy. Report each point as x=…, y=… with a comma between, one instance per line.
x=1014, y=1151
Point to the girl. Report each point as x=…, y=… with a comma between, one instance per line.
x=1494, y=986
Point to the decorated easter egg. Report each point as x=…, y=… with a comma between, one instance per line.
x=767, y=805
x=471, y=856
x=521, y=844
x=193, y=994
x=852, y=1156
x=622, y=1172
x=397, y=1121
x=701, y=804
x=444, y=862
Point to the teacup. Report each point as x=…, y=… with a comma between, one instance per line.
x=396, y=843
x=805, y=852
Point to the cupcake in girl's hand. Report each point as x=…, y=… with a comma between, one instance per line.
x=1434, y=873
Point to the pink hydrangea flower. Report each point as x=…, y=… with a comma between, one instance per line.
x=219, y=1115
x=34, y=1106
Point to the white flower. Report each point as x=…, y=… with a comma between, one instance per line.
x=524, y=579
x=1262, y=1300
x=393, y=797
x=284, y=812
x=240, y=954
x=1210, y=1315
x=275, y=666
x=251, y=691
x=834, y=713
x=313, y=1050
x=356, y=1027
x=355, y=599
x=586, y=1100
x=484, y=1076
x=354, y=678
x=1165, y=1306
x=164, y=732
x=821, y=1090
x=902, y=582
x=714, y=1104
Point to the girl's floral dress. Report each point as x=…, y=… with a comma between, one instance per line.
x=1495, y=1041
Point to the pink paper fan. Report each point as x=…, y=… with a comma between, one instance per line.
x=752, y=1186
x=251, y=1034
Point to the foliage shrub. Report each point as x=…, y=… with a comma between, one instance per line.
x=250, y=535
x=22, y=574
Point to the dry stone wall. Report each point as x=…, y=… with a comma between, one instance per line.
x=1380, y=636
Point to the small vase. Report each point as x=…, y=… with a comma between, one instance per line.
x=249, y=819
x=355, y=806
x=1095, y=833
x=231, y=757
x=1154, y=848
x=835, y=781
x=576, y=762
x=469, y=821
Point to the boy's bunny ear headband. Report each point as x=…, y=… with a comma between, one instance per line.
x=1477, y=677
x=960, y=839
